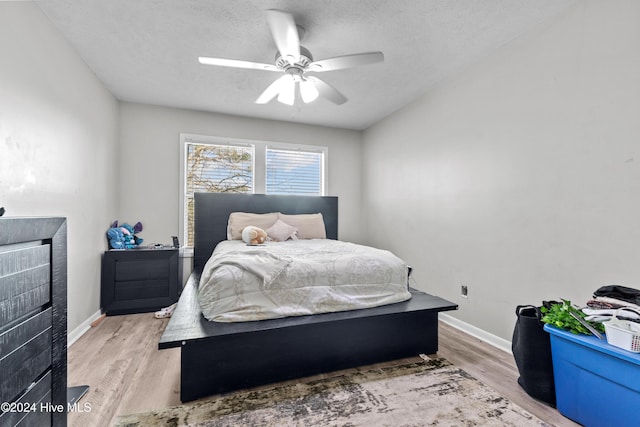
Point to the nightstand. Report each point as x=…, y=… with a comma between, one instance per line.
x=139, y=280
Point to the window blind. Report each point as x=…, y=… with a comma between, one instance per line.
x=294, y=172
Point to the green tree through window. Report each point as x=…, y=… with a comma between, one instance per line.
x=216, y=169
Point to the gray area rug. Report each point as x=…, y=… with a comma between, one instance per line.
x=429, y=393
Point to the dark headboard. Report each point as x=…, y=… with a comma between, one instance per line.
x=212, y=214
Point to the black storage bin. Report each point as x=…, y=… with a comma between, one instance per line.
x=531, y=348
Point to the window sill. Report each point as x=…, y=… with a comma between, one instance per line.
x=186, y=252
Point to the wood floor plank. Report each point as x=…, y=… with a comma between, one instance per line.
x=123, y=348
x=495, y=368
x=119, y=360
x=157, y=376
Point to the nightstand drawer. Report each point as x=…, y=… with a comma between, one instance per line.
x=128, y=270
x=139, y=280
x=141, y=289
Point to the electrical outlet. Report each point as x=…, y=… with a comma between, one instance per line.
x=463, y=291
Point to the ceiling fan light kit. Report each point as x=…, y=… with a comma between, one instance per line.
x=287, y=93
x=295, y=61
x=308, y=91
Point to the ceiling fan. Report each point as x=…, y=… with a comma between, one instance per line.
x=295, y=62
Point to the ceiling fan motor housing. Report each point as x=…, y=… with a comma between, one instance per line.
x=299, y=67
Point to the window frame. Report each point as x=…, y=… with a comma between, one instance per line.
x=259, y=166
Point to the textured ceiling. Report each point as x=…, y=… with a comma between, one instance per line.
x=146, y=50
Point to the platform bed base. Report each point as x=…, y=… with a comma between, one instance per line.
x=221, y=357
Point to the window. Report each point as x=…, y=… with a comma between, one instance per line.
x=294, y=172
x=216, y=169
x=211, y=164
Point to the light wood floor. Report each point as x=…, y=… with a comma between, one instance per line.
x=126, y=372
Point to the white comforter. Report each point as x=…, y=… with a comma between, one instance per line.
x=295, y=278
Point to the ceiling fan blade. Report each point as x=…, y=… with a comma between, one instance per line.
x=327, y=91
x=222, y=62
x=346, y=61
x=272, y=90
x=285, y=34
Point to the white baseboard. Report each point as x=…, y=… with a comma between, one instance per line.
x=482, y=335
x=74, y=335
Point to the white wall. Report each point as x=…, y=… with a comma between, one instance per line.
x=58, y=143
x=520, y=177
x=150, y=162
x=69, y=148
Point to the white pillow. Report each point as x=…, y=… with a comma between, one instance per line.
x=281, y=231
x=310, y=226
x=239, y=220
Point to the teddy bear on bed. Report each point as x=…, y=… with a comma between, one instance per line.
x=254, y=235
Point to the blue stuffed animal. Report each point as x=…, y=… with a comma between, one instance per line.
x=116, y=238
x=124, y=236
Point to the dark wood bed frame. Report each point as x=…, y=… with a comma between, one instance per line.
x=221, y=357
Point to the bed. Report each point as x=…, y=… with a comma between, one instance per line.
x=218, y=357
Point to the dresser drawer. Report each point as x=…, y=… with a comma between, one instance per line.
x=33, y=320
x=25, y=353
x=39, y=393
x=25, y=281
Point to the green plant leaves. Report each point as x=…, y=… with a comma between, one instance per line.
x=559, y=316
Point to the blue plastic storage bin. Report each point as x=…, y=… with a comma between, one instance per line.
x=597, y=384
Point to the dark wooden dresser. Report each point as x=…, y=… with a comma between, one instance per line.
x=33, y=321
x=139, y=280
